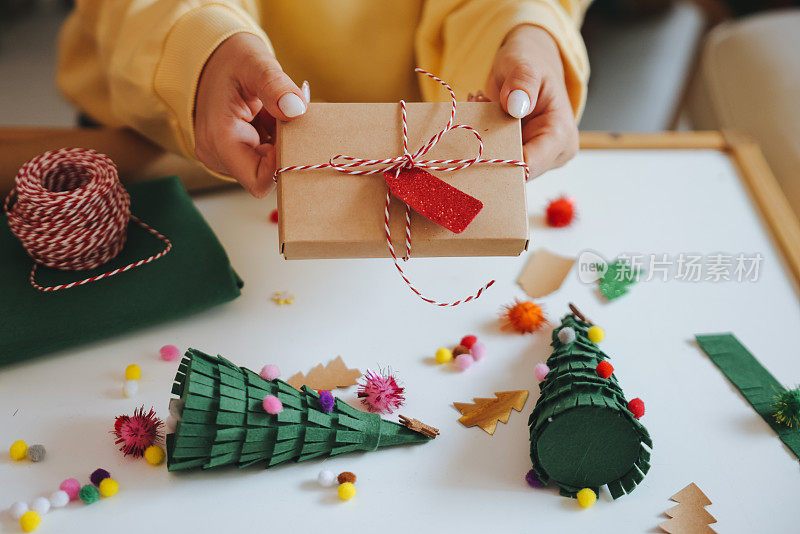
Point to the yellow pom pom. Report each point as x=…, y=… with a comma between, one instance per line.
x=108, y=487
x=154, y=454
x=18, y=450
x=133, y=372
x=30, y=521
x=443, y=355
x=347, y=491
x=586, y=498
x=596, y=334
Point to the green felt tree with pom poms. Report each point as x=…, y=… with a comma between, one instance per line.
x=223, y=420
x=582, y=433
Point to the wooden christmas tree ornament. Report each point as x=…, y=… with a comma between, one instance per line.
x=485, y=413
x=332, y=376
x=689, y=516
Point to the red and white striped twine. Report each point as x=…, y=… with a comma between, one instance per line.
x=350, y=164
x=70, y=211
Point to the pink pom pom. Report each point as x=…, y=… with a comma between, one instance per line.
x=478, y=351
x=272, y=404
x=464, y=361
x=169, y=353
x=541, y=371
x=71, y=487
x=270, y=372
x=380, y=393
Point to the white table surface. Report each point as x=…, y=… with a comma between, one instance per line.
x=465, y=480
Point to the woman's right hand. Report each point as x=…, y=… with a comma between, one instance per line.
x=241, y=92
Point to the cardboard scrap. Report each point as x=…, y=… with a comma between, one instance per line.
x=420, y=427
x=485, y=413
x=332, y=376
x=690, y=515
x=544, y=272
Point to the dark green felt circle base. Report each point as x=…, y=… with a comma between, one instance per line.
x=588, y=447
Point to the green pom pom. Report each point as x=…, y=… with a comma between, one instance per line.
x=89, y=494
x=787, y=408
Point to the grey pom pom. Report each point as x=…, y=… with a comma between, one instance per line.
x=566, y=335
x=36, y=453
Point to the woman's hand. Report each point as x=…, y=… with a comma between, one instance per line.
x=527, y=79
x=242, y=91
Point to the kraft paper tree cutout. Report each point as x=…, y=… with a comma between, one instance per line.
x=582, y=433
x=223, y=421
x=332, y=376
x=619, y=275
x=485, y=413
x=689, y=516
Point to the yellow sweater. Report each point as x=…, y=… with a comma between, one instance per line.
x=137, y=62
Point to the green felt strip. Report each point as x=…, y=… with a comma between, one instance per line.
x=753, y=381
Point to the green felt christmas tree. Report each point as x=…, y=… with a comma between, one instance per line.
x=582, y=432
x=223, y=421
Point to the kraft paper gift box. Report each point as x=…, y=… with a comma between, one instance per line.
x=324, y=213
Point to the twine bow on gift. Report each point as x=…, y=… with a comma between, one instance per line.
x=393, y=167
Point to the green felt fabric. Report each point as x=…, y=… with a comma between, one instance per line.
x=604, y=449
x=223, y=421
x=196, y=274
x=582, y=433
x=618, y=277
x=753, y=381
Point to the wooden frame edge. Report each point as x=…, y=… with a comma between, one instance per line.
x=750, y=163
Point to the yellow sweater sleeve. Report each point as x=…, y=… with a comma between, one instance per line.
x=137, y=62
x=458, y=39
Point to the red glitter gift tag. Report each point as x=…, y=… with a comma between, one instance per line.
x=433, y=198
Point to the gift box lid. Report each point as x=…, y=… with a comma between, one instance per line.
x=327, y=214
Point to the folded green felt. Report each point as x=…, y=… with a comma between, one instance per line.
x=195, y=275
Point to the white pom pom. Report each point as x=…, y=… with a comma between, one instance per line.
x=40, y=505
x=326, y=478
x=18, y=509
x=170, y=424
x=130, y=388
x=566, y=335
x=59, y=499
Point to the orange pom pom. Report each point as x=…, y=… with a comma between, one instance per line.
x=524, y=317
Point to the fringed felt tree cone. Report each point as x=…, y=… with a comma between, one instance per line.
x=582, y=433
x=223, y=420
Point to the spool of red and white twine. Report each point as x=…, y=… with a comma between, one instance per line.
x=70, y=211
x=408, y=161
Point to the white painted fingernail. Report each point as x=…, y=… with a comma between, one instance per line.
x=306, y=88
x=518, y=103
x=291, y=105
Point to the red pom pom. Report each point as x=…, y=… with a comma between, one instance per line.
x=560, y=212
x=604, y=369
x=274, y=216
x=636, y=407
x=468, y=341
